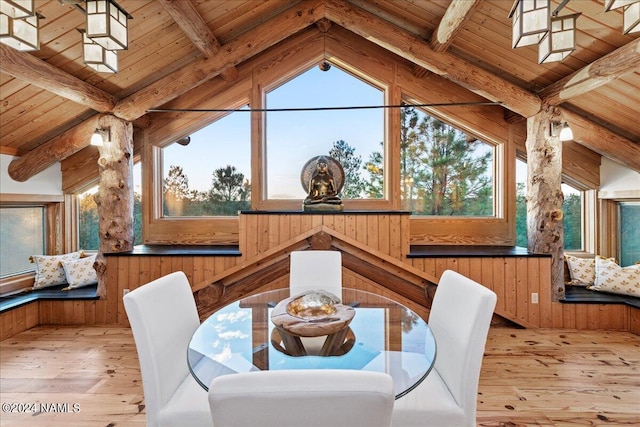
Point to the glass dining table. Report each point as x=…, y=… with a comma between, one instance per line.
x=383, y=336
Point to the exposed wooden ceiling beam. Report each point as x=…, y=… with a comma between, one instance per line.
x=413, y=48
x=477, y=80
x=600, y=140
x=39, y=73
x=184, y=14
x=600, y=72
x=240, y=49
x=456, y=15
x=54, y=150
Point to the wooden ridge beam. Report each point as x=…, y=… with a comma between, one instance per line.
x=242, y=48
x=602, y=141
x=415, y=49
x=184, y=14
x=39, y=73
x=456, y=15
x=621, y=61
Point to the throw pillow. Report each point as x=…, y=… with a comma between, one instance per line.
x=80, y=272
x=610, y=277
x=49, y=271
x=581, y=270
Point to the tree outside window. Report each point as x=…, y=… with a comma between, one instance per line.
x=443, y=171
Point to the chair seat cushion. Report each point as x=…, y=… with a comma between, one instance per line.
x=189, y=406
x=430, y=403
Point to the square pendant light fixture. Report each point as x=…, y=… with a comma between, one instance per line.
x=17, y=9
x=530, y=21
x=97, y=57
x=20, y=34
x=616, y=4
x=631, y=18
x=560, y=41
x=107, y=24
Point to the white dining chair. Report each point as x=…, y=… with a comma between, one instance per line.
x=309, y=398
x=315, y=270
x=459, y=319
x=163, y=316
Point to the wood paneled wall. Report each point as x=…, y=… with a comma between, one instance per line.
x=513, y=278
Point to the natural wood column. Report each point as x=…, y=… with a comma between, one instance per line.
x=115, y=194
x=545, y=227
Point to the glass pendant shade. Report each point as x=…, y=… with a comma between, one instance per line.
x=631, y=18
x=560, y=41
x=616, y=4
x=97, y=57
x=530, y=21
x=107, y=24
x=17, y=9
x=20, y=34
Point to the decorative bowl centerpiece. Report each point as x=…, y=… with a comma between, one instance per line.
x=311, y=314
x=313, y=305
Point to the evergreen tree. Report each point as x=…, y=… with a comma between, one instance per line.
x=441, y=175
x=176, y=191
x=351, y=164
x=373, y=186
x=229, y=192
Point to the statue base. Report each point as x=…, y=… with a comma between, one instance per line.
x=323, y=207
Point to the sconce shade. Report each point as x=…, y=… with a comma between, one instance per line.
x=631, y=18
x=20, y=34
x=107, y=24
x=616, y=4
x=97, y=57
x=17, y=9
x=560, y=41
x=566, y=134
x=100, y=136
x=96, y=139
x=530, y=21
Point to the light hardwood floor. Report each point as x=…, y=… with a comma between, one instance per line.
x=529, y=378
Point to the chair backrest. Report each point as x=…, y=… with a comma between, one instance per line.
x=163, y=316
x=459, y=319
x=314, y=270
x=310, y=398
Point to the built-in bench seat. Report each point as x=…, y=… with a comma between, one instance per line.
x=9, y=302
x=582, y=295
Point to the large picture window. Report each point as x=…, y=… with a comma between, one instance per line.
x=23, y=235
x=444, y=172
x=629, y=233
x=209, y=173
x=353, y=136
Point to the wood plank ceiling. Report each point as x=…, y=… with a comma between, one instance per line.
x=50, y=98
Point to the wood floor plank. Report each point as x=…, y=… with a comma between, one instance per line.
x=540, y=377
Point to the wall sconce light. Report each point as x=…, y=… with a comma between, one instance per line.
x=97, y=57
x=560, y=41
x=631, y=18
x=107, y=24
x=561, y=130
x=20, y=33
x=100, y=136
x=530, y=21
x=17, y=9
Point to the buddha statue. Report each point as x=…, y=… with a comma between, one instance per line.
x=322, y=188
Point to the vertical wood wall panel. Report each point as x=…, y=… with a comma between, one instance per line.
x=512, y=278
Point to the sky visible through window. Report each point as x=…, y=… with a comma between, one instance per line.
x=292, y=137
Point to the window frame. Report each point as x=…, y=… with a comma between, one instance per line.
x=55, y=243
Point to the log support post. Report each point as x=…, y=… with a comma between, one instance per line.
x=115, y=194
x=545, y=227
